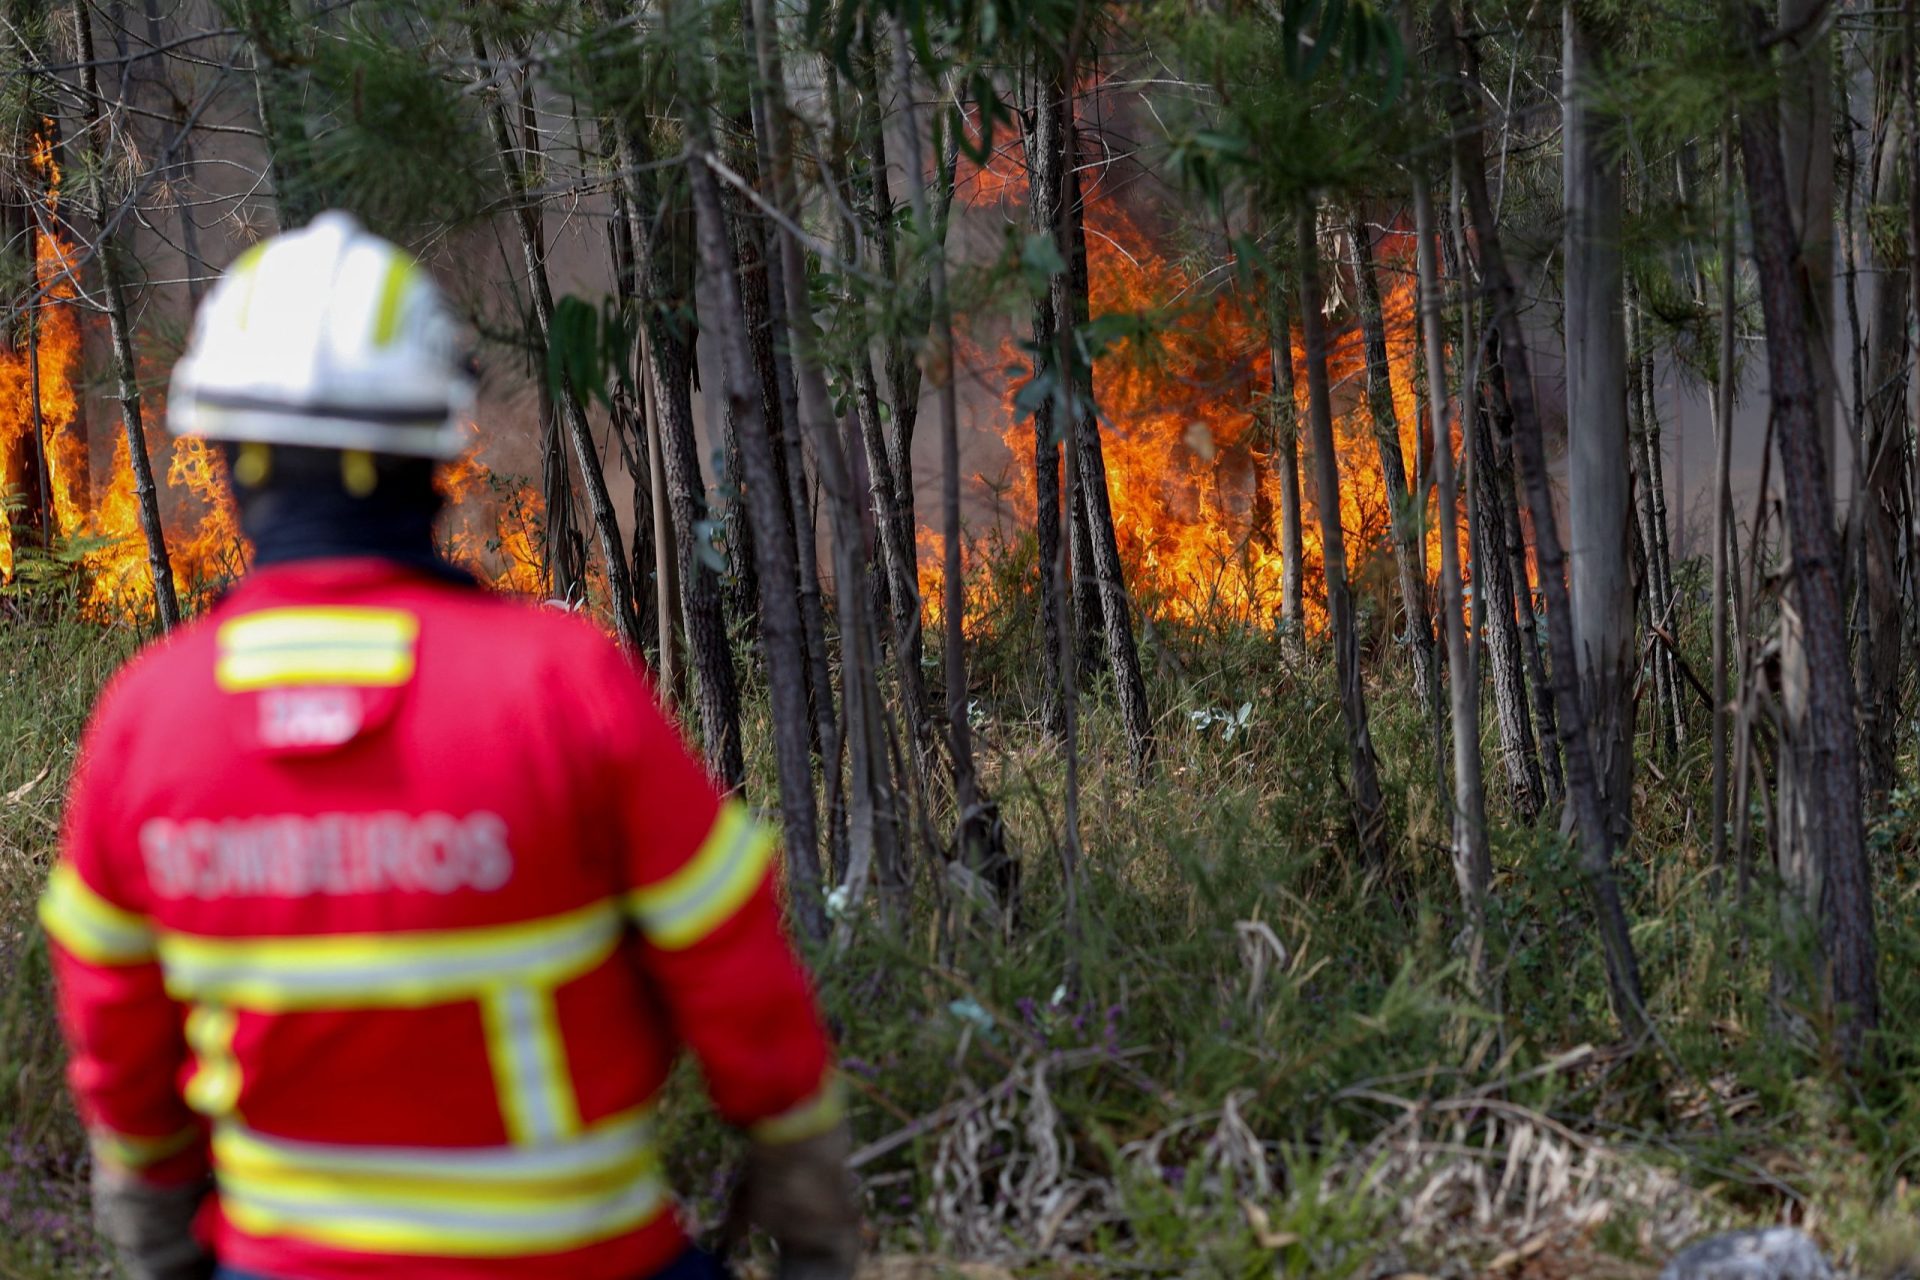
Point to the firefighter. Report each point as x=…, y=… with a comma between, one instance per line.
x=384, y=904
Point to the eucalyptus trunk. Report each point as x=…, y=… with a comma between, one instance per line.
x=1286, y=464
x=1591, y=826
x=1363, y=768
x=656, y=215
x=1823, y=855
x=146, y=493
x=1404, y=506
x=1599, y=470
x=568, y=398
x=1472, y=867
x=781, y=629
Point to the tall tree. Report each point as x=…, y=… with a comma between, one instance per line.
x=1286, y=460
x=1599, y=469
x=1472, y=866
x=1823, y=854
x=1587, y=800
x=1405, y=504
x=570, y=399
x=99, y=144
x=781, y=630
x=1369, y=807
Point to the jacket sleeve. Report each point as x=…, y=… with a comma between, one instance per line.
x=123, y=1032
x=700, y=872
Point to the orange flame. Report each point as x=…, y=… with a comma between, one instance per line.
x=204, y=542
x=1186, y=427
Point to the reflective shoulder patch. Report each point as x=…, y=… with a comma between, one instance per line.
x=277, y=648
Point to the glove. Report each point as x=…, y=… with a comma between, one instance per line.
x=798, y=1193
x=151, y=1227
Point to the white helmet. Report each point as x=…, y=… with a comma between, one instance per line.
x=328, y=337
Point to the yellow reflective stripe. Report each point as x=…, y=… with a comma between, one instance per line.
x=386, y=970
x=247, y=267
x=401, y=272
x=461, y=1202
x=809, y=1119
x=126, y=1151
x=529, y=1064
x=214, y=1087
x=316, y=646
x=89, y=926
x=702, y=895
x=609, y=1151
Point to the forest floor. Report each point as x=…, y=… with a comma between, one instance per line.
x=1247, y=1056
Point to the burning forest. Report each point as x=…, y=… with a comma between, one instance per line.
x=1168, y=554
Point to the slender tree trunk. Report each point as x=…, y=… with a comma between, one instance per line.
x=1823, y=853
x=1369, y=808
x=274, y=32
x=1043, y=184
x=666, y=295
x=126, y=371
x=1403, y=506
x=781, y=629
x=1286, y=461
x=1723, y=499
x=1599, y=476
x=1070, y=309
x=897, y=589
x=873, y=843
x=1514, y=536
x=1646, y=480
x=975, y=841
x=562, y=553
x=572, y=410
x=666, y=568
x=1885, y=512
x=1472, y=867
x=1591, y=825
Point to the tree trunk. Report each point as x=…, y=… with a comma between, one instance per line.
x=1369, y=808
x=1495, y=604
x=1823, y=848
x=1591, y=825
x=563, y=554
x=781, y=628
x=1472, y=867
x=1885, y=513
x=873, y=841
x=1514, y=535
x=1043, y=181
x=1403, y=506
x=273, y=29
x=126, y=371
x=1070, y=309
x=572, y=409
x=666, y=296
x=1286, y=462
x=1646, y=482
x=976, y=841
x=1599, y=475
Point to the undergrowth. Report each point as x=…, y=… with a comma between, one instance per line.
x=1245, y=1054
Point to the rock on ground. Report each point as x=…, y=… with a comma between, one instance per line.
x=1777, y=1253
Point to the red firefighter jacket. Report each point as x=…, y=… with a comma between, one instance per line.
x=392, y=901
